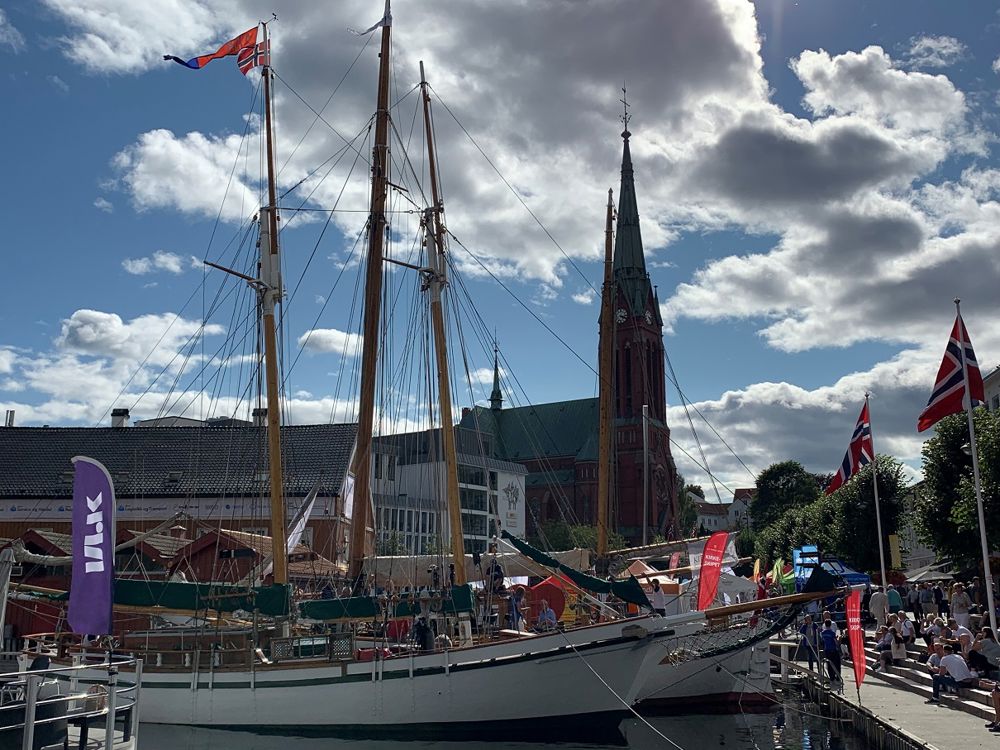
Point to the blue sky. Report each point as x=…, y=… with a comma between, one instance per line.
x=817, y=180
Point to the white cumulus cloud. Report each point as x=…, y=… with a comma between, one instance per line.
x=331, y=341
x=161, y=260
x=935, y=51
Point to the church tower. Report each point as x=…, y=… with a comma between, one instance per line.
x=639, y=376
x=638, y=324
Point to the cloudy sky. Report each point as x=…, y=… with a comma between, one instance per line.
x=817, y=181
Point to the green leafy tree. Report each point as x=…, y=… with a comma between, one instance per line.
x=841, y=524
x=687, y=515
x=695, y=489
x=813, y=523
x=391, y=544
x=558, y=536
x=746, y=540
x=855, y=533
x=781, y=487
x=946, y=514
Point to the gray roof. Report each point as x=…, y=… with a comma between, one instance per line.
x=173, y=461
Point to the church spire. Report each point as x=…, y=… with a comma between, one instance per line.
x=629, y=261
x=496, y=397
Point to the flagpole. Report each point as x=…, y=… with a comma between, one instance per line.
x=878, y=513
x=967, y=400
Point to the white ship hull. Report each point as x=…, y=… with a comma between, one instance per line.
x=742, y=677
x=584, y=674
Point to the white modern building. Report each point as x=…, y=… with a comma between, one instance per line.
x=410, y=504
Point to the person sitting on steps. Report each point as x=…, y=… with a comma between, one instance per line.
x=953, y=673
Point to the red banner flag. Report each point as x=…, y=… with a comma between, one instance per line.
x=857, y=636
x=711, y=564
x=675, y=561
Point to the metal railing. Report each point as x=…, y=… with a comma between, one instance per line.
x=46, y=700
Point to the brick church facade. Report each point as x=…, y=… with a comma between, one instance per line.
x=557, y=442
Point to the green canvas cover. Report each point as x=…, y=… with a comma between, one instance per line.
x=365, y=607
x=628, y=590
x=197, y=597
x=194, y=597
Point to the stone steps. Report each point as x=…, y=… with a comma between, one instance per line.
x=915, y=678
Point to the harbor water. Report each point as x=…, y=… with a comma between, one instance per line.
x=792, y=725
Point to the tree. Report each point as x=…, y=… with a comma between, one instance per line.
x=946, y=514
x=780, y=488
x=687, y=515
x=841, y=524
x=558, y=536
x=694, y=489
x=856, y=535
x=390, y=545
x=813, y=523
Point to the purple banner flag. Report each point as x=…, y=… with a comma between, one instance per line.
x=90, y=594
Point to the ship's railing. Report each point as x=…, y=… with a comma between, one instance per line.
x=39, y=701
x=204, y=653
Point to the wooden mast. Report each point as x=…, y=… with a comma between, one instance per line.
x=606, y=390
x=270, y=276
x=437, y=277
x=373, y=301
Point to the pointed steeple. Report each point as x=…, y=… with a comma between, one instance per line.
x=629, y=261
x=496, y=397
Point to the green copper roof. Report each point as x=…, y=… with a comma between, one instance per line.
x=629, y=262
x=561, y=428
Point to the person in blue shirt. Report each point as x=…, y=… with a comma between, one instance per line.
x=546, y=618
x=831, y=650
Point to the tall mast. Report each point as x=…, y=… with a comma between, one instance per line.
x=373, y=301
x=436, y=280
x=270, y=276
x=606, y=386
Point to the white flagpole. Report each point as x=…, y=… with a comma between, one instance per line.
x=878, y=513
x=967, y=401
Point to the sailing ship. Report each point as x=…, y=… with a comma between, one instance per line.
x=581, y=678
x=272, y=676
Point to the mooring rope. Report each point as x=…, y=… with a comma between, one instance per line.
x=624, y=702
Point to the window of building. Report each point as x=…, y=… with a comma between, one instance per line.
x=307, y=536
x=493, y=480
x=996, y=403
x=628, y=380
x=378, y=465
x=474, y=524
x=471, y=475
x=390, y=472
x=472, y=499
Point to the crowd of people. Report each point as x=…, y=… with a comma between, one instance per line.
x=947, y=624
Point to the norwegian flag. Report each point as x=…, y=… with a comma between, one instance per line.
x=948, y=396
x=252, y=57
x=859, y=453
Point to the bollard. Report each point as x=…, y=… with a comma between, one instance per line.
x=109, y=723
x=32, y=682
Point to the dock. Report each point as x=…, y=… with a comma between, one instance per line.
x=80, y=707
x=891, y=710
